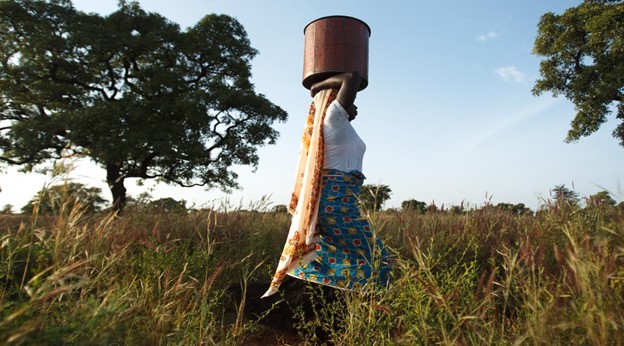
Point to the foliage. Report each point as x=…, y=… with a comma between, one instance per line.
x=168, y=205
x=372, y=197
x=280, y=208
x=583, y=50
x=413, y=204
x=565, y=197
x=132, y=91
x=600, y=199
x=68, y=195
x=518, y=209
x=7, y=209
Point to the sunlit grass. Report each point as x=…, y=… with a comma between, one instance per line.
x=147, y=277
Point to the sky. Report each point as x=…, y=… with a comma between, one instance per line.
x=448, y=116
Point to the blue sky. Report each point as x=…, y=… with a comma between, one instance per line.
x=448, y=116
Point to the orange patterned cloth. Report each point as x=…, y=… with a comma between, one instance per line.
x=306, y=192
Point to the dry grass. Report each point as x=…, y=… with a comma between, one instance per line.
x=483, y=277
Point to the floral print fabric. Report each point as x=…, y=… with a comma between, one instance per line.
x=348, y=253
x=306, y=192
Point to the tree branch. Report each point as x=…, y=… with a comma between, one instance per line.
x=146, y=162
x=74, y=81
x=577, y=62
x=111, y=75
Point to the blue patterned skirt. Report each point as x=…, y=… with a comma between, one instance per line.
x=349, y=254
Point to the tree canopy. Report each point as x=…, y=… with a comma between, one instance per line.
x=372, y=197
x=412, y=204
x=132, y=91
x=7, y=209
x=601, y=199
x=584, y=61
x=168, y=205
x=66, y=196
x=517, y=209
x=565, y=197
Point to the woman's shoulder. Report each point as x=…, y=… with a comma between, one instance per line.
x=338, y=106
x=336, y=114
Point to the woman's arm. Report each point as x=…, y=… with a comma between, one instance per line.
x=347, y=83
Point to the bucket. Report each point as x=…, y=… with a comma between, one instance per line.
x=333, y=45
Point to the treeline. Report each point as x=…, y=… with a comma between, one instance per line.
x=72, y=195
x=372, y=199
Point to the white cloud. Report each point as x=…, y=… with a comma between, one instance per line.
x=490, y=35
x=510, y=73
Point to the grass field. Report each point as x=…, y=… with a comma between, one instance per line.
x=154, y=278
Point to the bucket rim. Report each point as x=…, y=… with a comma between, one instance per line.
x=338, y=16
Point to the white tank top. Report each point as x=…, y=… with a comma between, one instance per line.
x=344, y=149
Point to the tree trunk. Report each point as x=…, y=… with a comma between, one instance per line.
x=116, y=184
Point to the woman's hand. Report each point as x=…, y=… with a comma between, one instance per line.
x=315, y=88
x=347, y=83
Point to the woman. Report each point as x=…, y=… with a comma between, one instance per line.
x=330, y=242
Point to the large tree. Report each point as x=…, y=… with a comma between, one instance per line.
x=584, y=61
x=132, y=91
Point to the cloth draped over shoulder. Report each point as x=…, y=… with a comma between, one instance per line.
x=306, y=192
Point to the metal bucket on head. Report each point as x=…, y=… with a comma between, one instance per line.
x=333, y=45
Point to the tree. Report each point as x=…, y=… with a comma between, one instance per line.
x=601, y=199
x=168, y=205
x=372, y=197
x=280, y=209
x=565, y=197
x=7, y=209
x=139, y=96
x=412, y=204
x=517, y=209
x=584, y=50
x=68, y=195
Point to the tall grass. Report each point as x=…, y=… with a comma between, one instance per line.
x=147, y=277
